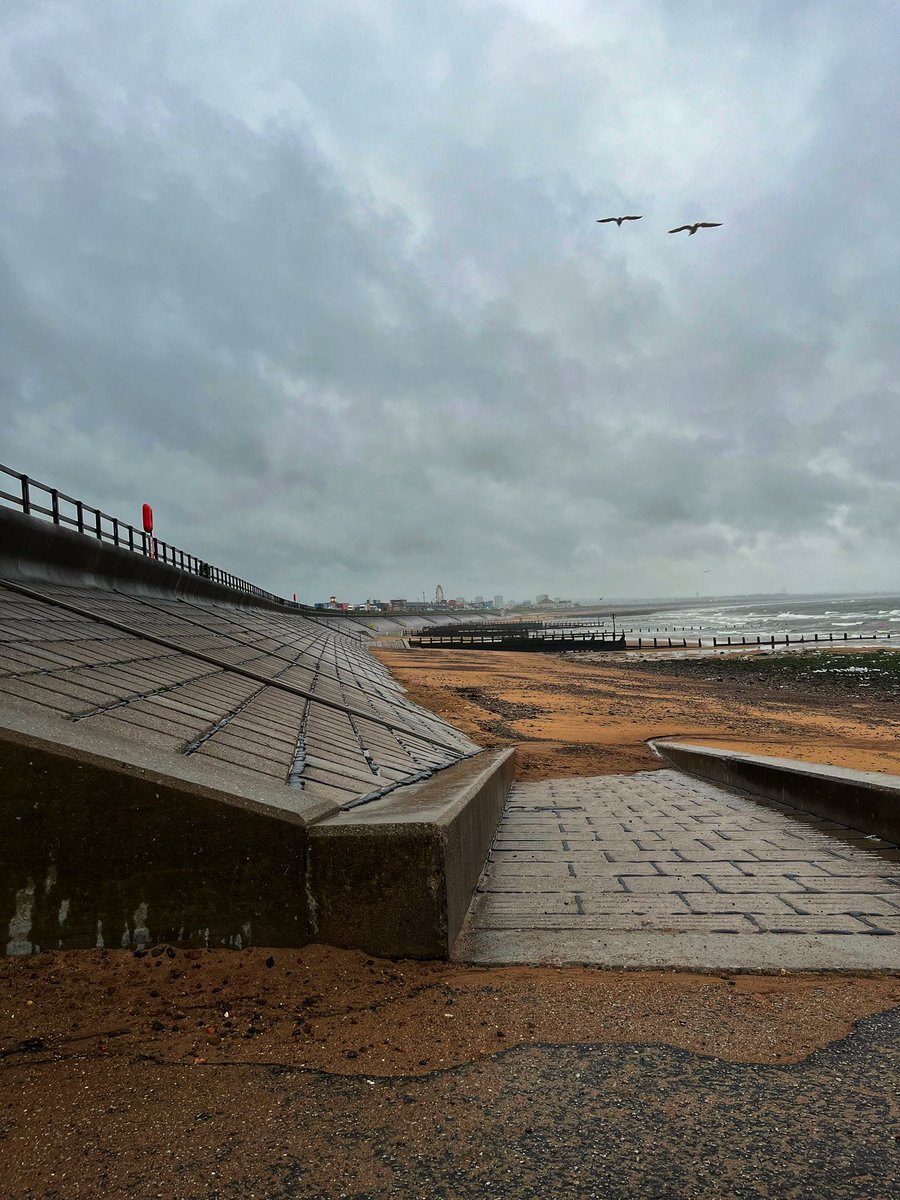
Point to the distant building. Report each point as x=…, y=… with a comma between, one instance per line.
x=397, y=604
x=498, y=602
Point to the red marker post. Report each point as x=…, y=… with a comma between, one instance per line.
x=149, y=539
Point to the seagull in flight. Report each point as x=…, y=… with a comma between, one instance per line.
x=697, y=225
x=618, y=220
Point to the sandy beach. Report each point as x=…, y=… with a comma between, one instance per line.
x=590, y=714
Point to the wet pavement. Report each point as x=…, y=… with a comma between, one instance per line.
x=660, y=869
x=271, y=695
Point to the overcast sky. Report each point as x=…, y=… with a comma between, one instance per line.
x=322, y=281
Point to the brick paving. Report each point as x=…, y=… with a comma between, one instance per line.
x=577, y=860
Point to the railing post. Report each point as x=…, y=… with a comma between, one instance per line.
x=90, y=521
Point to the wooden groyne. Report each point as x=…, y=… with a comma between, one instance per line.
x=554, y=643
x=770, y=641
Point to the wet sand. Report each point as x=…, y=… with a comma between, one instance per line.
x=592, y=715
x=325, y=1073
x=341, y=1011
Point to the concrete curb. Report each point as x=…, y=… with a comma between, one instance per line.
x=865, y=800
x=397, y=875
x=679, y=952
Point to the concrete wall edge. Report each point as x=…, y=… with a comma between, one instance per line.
x=865, y=801
x=59, y=738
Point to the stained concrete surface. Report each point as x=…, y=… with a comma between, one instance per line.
x=396, y=875
x=124, y=716
x=660, y=869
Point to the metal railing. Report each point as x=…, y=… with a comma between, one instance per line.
x=36, y=499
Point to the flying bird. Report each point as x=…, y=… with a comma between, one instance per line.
x=697, y=225
x=618, y=220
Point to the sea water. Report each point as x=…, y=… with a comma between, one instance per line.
x=713, y=621
x=791, y=616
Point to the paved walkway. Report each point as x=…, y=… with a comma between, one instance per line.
x=659, y=869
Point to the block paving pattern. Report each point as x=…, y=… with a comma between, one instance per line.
x=121, y=683
x=662, y=852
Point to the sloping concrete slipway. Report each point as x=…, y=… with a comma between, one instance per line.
x=179, y=763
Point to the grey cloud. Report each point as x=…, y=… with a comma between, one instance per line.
x=324, y=282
